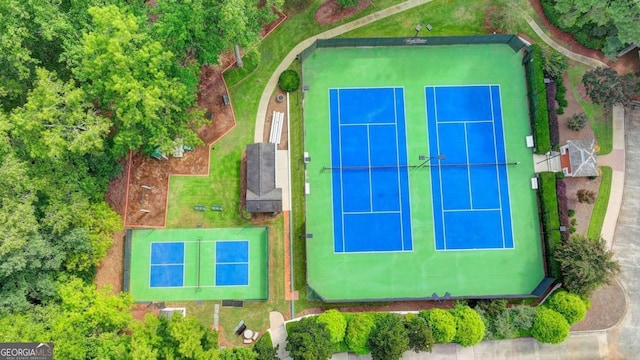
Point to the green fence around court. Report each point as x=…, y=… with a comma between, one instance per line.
x=512, y=41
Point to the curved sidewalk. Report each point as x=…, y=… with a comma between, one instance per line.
x=291, y=56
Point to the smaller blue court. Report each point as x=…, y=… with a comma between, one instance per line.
x=470, y=188
x=230, y=266
x=232, y=263
x=370, y=180
x=167, y=264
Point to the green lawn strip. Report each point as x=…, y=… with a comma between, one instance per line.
x=600, y=120
x=600, y=206
x=465, y=17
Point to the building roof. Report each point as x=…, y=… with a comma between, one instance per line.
x=262, y=194
x=582, y=156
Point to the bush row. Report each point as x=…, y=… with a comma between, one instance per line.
x=386, y=336
x=550, y=220
x=561, y=94
x=538, y=105
x=554, y=130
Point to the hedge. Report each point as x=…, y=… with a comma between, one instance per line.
x=469, y=326
x=554, y=130
x=442, y=323
x=538, y=99
x=568, y=305
x=550, y=220
x=550, y=327
x=336, y=324
x=563, y=208
x=359, y=327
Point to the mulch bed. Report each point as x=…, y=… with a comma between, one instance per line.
x=330, y=12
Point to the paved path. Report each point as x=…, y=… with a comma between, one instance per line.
x=291, y=56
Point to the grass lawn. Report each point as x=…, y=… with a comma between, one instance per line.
x=600, y=206
x=599, y=119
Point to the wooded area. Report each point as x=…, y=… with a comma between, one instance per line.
x=84, y=82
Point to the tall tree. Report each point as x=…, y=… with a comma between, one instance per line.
x=389, y=338
x=309, y=339
x=130, y=77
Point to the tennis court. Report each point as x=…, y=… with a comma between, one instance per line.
x=471, y=185
x=198, y=264
x=420, y=174
x=368, y=166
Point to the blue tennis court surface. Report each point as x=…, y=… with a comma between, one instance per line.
x=167, y=264
x=370, y=181
x=470, y=189
x=232, y=263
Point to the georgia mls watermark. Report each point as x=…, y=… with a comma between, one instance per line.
x=26, y=351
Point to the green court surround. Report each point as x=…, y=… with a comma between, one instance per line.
x=424, y=271
x=140, y=257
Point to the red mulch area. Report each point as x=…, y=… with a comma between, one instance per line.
x=330, y=12
x=626, y=64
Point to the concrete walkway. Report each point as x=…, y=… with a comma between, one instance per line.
x=291, y=56
x=571, y=55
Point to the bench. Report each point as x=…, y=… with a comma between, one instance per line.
x=534, y=183
x=216, y=207
x=255, y=336
x=240, y=327
x=529, y=140
x=225, y=99
x=199, y=208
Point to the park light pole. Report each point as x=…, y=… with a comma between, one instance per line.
x=418, y=28
x=425, y=159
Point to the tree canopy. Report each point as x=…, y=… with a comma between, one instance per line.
x=308, y=339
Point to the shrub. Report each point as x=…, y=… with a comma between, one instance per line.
x=336, y=324
x=469, y=326
x=359, y=328
x=289, y=80
x=308, y=339
x=264, y=348
x=606, y=87
x=571, y=212
x=536, y=88
x=348, y=3
x=442, y=324
x=492, y=307
x=586, y=264
x=560, y=111
x=550, y=327
x=569, y=305
x=574, y=222
x=554, y=131
x=572, y=230
x=389, y=339
x=503, y=327
x=577, y=122
x=551, y=220
x=555, y=64
x=523, y=318
x=586, y=196
x=419, y=333
x=237, y=353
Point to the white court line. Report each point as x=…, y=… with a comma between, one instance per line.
x=504, y=143
x=369, y=170
x=369, y=124
x=395, y=116
x=472, y=210
x=466, y=151
x=373, y=212
x=435, y=115
x=495, y=154
x=341, y=182
x=466, y=121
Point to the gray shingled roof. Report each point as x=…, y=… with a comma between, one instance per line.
x=262, y=194
x=582, y=155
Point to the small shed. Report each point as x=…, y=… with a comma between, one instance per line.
x=262, y=193
x=578, y=158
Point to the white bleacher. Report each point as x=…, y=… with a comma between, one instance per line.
x=277, y=120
